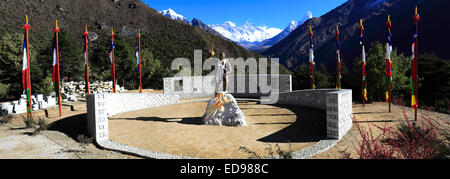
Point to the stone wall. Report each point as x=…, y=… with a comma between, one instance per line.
x=309, y=98
x=204, y=86
x=336, y=103
x=339, y=113
x=102, y=106
x=190, y=87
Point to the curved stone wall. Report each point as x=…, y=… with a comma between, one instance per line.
x=336, y=103
x=102, y=106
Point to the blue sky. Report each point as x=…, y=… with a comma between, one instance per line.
x=271, y=13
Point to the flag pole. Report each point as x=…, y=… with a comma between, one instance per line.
x=113, y=63
x=388, y=62
x=311, y=56
x=338, y=70
x=27, y=27
x=86, y=68
x=56, y=30
x=140, y=72
x=416, y=19
x=363, y=65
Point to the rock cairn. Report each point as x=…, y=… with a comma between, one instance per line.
x=226, y=114
x=78, y=89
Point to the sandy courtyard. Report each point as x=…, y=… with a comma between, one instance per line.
x=176, y=130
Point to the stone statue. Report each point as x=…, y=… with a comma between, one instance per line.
x=224, y=70
x=223, y=109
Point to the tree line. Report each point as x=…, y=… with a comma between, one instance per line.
x=434, y=86
x=72, y=63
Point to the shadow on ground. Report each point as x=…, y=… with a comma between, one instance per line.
x=186, y=120
x=310, y=126
x=72, y=126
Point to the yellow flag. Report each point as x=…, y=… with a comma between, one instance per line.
x=413, y=102
x=365, y=94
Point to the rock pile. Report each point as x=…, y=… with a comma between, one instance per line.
x=224, y=110
x=73, y=90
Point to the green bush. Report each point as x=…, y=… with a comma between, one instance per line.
x=375, y=65
x=4, y=90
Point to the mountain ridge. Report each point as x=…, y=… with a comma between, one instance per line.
x=248, y=32
x=293, y=50
x=126, y=16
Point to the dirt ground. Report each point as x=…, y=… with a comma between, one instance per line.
x=376, y=114
x=176, y=130
x=58, y=142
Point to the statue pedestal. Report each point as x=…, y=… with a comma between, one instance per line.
x=224, y=110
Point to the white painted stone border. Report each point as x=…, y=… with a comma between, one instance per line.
x=336, y=103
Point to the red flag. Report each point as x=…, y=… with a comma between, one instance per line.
x=86, y=63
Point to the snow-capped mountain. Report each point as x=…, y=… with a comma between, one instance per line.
x=247, y=33
x=174, y=16
x=198, y=23
x=291, y=27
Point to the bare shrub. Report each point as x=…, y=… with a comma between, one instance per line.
x=421, y=139
x=277, y=154
x=4, y=118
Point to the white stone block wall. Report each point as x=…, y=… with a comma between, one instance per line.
x=204, y=86
x=20, y=106
x=336, y=103
x=192, y=87
x=339, y=113
x=102, y=106
x=124, y=102
x=97, y=117
x=309, y=98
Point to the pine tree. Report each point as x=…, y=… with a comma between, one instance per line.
x=71, y=61
x=301, y=79
x=376, y=58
